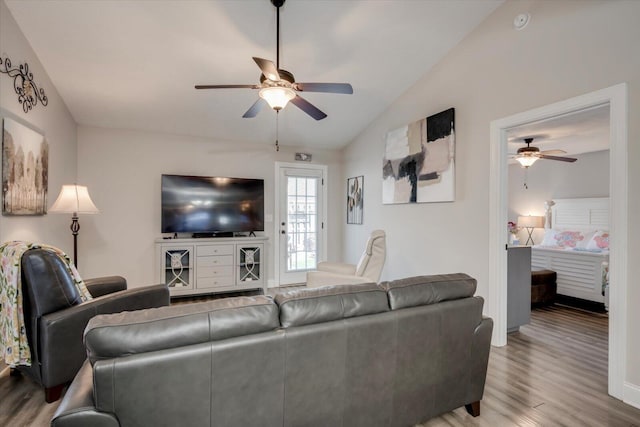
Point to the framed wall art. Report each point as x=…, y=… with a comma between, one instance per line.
x=419, y=161
x=355, y=205
x=25, y=170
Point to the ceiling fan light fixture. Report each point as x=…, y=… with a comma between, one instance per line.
x=526, y=161
x=277, y=96
x=278, y=86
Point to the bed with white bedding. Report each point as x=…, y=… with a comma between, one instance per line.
x=576, y=247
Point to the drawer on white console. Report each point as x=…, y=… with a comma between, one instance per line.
x=215, y=250
x=214, y=282
x=208, y=261
x=225, y=270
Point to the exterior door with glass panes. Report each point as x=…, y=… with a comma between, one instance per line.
x=300, y=222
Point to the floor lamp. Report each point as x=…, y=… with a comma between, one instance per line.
x=530, y=222
x=74, y=199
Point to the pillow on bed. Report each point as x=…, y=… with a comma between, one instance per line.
x=586, y=238
x=600, y=240
x=549, y=238
x=569, y=239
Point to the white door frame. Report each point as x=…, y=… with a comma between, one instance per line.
x=277, y=247
x=616, y=97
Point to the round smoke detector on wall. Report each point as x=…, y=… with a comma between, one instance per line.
x=521, y=21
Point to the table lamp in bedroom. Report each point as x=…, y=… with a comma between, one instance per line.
x=530, y=223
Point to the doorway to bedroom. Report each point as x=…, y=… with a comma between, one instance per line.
x=559, y=206
x=615, y=100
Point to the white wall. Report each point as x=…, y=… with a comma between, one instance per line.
x=547, y=180
x=56, y=124
x=568, y=49
x=122, y=170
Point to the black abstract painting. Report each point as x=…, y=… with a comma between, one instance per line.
x=419, y=161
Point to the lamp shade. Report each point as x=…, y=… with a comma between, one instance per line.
x=74, y=199
x=531, y=221
x=526, y=161
x=276, y=96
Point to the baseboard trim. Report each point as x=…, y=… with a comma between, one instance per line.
x=583, y=304
x=631, y=395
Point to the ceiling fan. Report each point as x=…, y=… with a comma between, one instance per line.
x=528, y=155
x=278, y=87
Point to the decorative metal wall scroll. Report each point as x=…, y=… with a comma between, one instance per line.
x=27, y=90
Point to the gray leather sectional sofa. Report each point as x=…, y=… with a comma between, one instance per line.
x=393, y=354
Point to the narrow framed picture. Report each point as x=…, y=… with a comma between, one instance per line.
x=25, y=165
x=355, y=205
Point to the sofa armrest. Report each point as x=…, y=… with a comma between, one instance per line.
x=480, y=348
x=132, y=299
x=60, y=333
x=105, y=285
x=337, y=268
x=322, y=278
x=77, y=408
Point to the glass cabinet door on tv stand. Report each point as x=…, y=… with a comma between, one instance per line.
x=177, y=271
x=250, y=258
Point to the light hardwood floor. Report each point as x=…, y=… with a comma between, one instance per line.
x=552, y=373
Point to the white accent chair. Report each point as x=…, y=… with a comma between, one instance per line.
x=368, y=270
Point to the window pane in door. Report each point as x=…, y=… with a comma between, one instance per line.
x=302, y=219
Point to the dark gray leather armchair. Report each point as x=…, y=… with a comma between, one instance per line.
x=55, y=316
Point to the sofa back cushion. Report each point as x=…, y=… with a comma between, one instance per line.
x=126, y=333
x=425, y=290
x=327, y=303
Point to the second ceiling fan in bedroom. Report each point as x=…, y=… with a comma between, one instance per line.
x=528, y=155
x=278, y=87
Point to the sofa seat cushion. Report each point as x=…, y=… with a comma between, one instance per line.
x=324, y=304
x=425, y=290
x=132, y=332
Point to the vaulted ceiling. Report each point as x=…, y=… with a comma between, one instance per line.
x=133, y=64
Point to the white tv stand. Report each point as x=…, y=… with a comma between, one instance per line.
x=211, y=265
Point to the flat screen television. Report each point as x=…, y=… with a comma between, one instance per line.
x=201, y=205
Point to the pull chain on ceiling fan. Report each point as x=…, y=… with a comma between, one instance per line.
x=277, y=142
x=278, y=86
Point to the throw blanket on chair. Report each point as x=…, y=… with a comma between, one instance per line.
x=14, y=346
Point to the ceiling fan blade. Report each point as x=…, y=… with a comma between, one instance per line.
x=268, y=69
x=550, y=152
x=255, y=109
x=308, y=108
x=227, y=87
x=562, y=159
x=325, y=87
